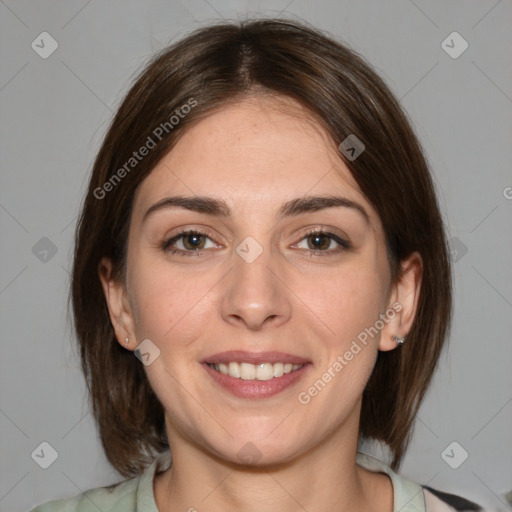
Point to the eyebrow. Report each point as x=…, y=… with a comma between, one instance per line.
x=219, y=208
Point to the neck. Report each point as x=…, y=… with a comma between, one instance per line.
x=324, y=479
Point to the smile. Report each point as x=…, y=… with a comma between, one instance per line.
x=255, y=375
x=248, y=371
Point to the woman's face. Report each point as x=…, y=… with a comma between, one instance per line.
x=261, y=288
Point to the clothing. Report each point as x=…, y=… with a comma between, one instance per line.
x=136, y=494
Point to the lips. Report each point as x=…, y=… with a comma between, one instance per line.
x=262, y=371
x=255, y=358
x=255, y=374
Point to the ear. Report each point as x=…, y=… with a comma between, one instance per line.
x=403, y=300
x=119, y=308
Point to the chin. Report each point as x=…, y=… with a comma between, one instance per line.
x=258, y=451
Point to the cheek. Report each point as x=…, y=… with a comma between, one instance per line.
x=169, y=305
x=348, y=304
x=351, y=306
x=349, y=301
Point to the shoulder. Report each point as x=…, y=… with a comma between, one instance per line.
x=410, y=496
x=438, y=501
x=120, y=497
x=127, y=496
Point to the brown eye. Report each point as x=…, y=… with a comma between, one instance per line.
x=193, y=241
x=319, y=241
x=188, y=243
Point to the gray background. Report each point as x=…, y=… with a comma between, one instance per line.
x=54, y=114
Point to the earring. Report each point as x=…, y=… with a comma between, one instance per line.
x=127, y=341
x=399, y=340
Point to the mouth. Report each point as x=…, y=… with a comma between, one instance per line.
x=248, y=371
x=255, y=375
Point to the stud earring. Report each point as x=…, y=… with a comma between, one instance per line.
x=399, y=340
x=127, y=341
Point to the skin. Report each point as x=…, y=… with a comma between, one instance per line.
x=256, y=155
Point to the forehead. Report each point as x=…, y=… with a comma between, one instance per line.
x=257, y=152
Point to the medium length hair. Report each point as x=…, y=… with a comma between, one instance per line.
x=211, y=68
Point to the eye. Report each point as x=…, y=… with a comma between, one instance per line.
x=322, y=242
x=194, y=242
x=187, y=243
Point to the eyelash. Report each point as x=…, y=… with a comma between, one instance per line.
x=167, y=247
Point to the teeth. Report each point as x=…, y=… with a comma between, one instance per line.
x=264, y=371
x=278, y=369
x=248, y=371
x=234, y=370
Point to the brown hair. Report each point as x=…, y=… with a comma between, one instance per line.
x=209, y=68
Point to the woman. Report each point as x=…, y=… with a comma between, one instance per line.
x=261, y=230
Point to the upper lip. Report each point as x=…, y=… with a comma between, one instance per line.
x=240, y=356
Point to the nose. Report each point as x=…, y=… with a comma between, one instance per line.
x=255, y=294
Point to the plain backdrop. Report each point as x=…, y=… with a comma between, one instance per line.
x=54, y=112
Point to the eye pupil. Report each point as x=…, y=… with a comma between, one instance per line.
x=196, y=241
x=320, y=238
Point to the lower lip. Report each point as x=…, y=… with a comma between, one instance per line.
x=257, y=388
